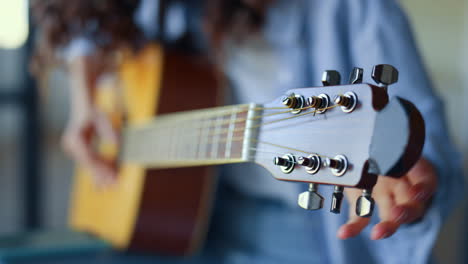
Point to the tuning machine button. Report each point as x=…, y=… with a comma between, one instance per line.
x=356, y=75
x=331, y=77
x=295, y=102
x=337, y=199
x=311, y=199
x=384, y=75
x=312, y=163
x=286, y=163
x=338, y=165
x=365, y=204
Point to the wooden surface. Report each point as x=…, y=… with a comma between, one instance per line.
x=148, y=210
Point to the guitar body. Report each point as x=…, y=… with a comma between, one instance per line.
x=161, y=211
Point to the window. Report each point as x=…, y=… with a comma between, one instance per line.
x=13, y=23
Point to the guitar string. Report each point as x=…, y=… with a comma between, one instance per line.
x=237, y=120
x=243, y=119
x=270, y=122
x=242, y=129
x=265, y=123
x=260, y=142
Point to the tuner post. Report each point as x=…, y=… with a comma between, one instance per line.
x=347, y=101
x=295, y=102
x=320, y=103
x=286, y=163
x=312, y=163
x=338, y=165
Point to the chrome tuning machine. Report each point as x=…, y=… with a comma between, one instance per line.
x=384, y=75
x=311, y=199
x=331, y=77
x=338, y=165
x=337, y=199
x=295, y=102
x=312, y=163
x=286, y=163
x=356, y=75
x=365, y=204
x=347, y=101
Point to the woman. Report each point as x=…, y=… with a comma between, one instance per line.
x=274, y=46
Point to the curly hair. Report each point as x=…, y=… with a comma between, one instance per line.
x=110, y=23
x=236, y=18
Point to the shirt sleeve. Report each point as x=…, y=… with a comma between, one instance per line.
x=380, y=34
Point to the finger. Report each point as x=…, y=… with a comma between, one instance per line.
x=406, y=209
x=407, y=213
x=386, y=227
x=78, y=145
x=353, y=227
x=401, y=191
x=424, y=180
x=355, y=224
x=104, y=175
x=105, y=129
x=421, y=192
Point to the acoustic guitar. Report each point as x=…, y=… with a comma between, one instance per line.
x=341, y=135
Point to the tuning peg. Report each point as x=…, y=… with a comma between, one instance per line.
x=338, y=165
x=365, y=204
x=311, y=199
x=384, y=74
x=295, y=102
x=286, y=163
x=289, y=101
x=311, y=163
x=356, y=75
x=347, y=101
x=331, y=77
x=337, y=198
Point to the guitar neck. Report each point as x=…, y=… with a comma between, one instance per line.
x=202, y=137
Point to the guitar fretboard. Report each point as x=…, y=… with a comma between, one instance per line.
x=201, y=137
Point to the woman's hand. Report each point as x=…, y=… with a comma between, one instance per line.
x=400, y=201
x=78, y=141
x=87, y=123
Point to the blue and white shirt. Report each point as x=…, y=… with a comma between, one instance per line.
x=300, y=40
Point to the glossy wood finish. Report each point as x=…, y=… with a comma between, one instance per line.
x=166, y=211
x=175, y=205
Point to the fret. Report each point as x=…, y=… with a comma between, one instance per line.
x=195, y=135
x=170, y=141
x=176, y=140
x=216, y=137
x=230, y=133
x=203, y=139
x=211, y=136
x=223, y=135
x=181, y=141
x=249, y=143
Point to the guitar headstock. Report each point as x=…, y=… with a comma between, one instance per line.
x=342, y=135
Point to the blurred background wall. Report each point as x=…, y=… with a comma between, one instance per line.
x=441, y=30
